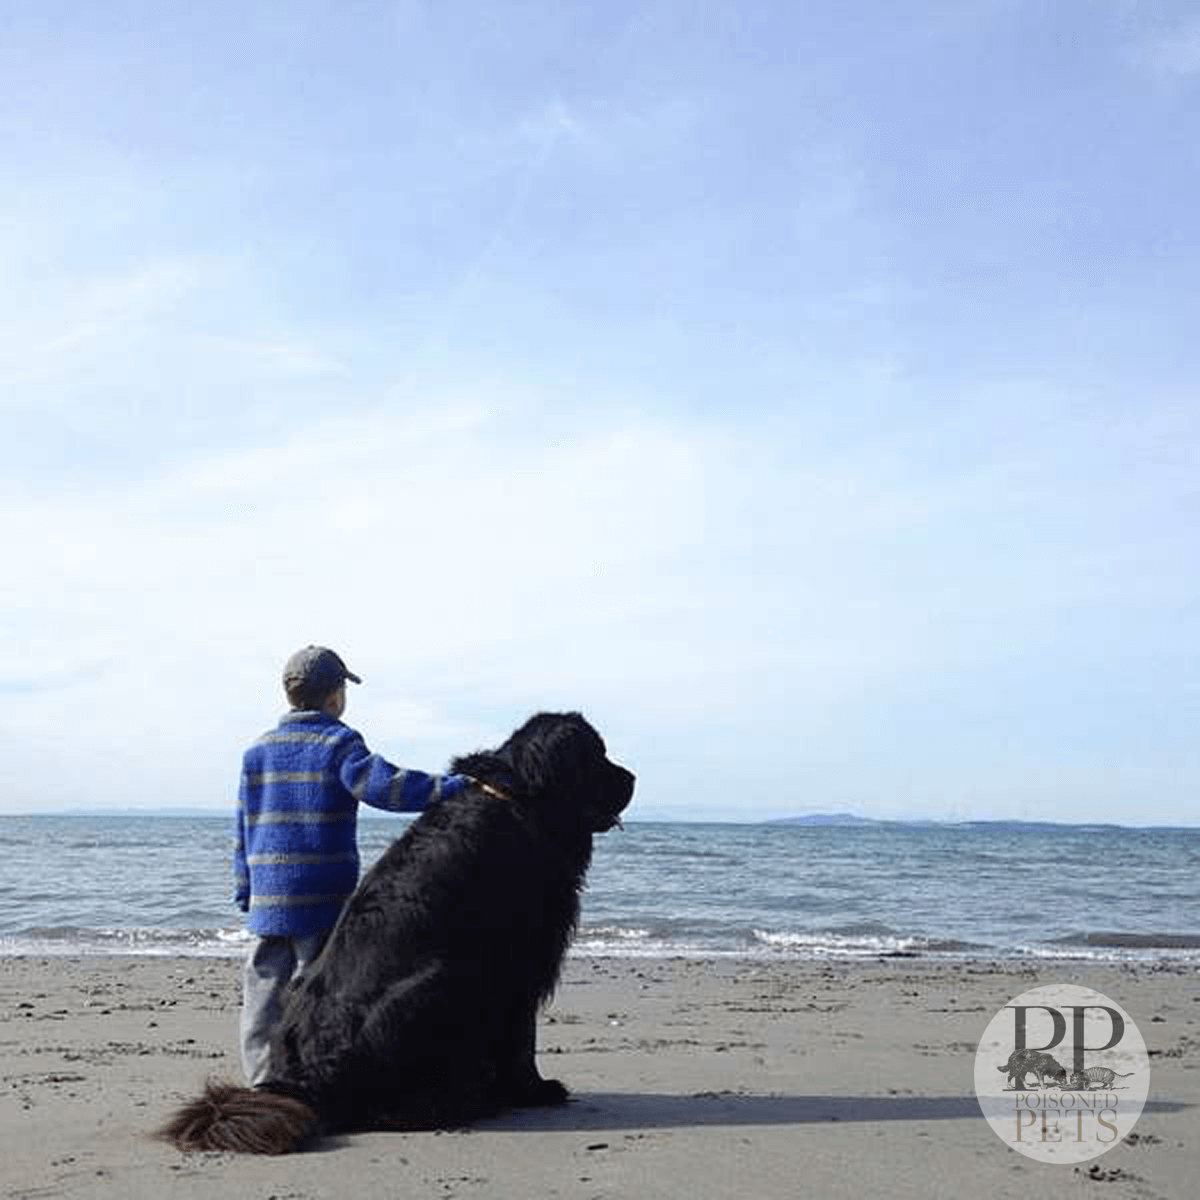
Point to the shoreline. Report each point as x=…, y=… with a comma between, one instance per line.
x=690, y=1077
x=231, y=943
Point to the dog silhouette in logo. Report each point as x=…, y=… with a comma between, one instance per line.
x=1041, y=1064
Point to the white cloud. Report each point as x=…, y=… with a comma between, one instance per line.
x=62, y=325
x=281, y=355
x=1170, y=54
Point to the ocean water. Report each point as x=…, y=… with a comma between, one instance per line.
x=161, y=885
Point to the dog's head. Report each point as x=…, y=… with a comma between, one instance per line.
x=560, y=760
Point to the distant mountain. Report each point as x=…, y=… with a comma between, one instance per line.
x=1015, y=826
x=826, y=819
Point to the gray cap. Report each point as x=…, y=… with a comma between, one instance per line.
x=316, y=671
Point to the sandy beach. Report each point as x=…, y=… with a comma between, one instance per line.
x=690, y=1078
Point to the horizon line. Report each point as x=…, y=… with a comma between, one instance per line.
x=820, y=820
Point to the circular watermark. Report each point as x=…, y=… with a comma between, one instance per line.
x=1062, y=1073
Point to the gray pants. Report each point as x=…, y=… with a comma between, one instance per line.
x=270, y=966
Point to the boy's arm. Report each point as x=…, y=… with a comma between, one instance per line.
x=241, y=871
x=372, y=780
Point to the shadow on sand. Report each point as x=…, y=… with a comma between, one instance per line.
x=596, y=1111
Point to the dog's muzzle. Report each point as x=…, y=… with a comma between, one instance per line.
x=622, y=792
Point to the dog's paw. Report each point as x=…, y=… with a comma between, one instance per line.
x=543, y=1092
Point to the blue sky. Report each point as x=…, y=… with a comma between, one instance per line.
x=804, y=391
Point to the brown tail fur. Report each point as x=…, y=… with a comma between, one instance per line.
x=246, y=1120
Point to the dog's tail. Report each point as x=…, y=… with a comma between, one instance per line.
x=242, y=1119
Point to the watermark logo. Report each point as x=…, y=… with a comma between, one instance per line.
x=1062, y=1073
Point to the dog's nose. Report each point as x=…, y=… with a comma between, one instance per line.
x=628, y=779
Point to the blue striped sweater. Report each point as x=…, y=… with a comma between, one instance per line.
x=296, y=853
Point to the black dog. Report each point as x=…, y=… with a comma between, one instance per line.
x=420, y=1012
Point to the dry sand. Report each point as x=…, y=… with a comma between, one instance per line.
x=690, y=1079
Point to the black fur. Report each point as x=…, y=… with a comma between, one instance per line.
x=420, y=1012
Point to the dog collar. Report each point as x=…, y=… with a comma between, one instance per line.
x=491, y=790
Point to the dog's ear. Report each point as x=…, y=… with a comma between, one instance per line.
x=554, y=754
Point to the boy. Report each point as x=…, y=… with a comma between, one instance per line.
x=296, y=858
